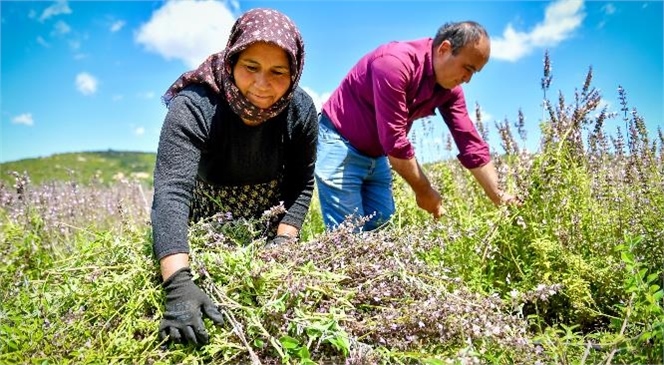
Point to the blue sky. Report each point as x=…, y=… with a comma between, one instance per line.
x=88, y=75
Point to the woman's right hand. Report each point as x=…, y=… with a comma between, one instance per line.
x=185, y=305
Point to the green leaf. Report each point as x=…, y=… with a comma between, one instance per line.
x=432, y=361
x=303, y=353
x=289, y=342
x=654, y=308
x=313, y=332
x=12, y=345
x=627, y=257
x=341, y=343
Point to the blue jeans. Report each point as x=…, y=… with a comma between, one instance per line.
x=350, y=183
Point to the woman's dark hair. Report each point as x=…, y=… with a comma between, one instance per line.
x=459, y=34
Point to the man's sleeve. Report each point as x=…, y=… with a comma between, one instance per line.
x=473, y=150
x=390, y=77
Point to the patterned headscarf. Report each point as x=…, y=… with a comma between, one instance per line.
x=256, y=25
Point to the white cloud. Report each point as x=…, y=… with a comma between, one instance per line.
x=43, y=42
x=116, y=26
x=319, y=99
x=61, y=28
x=609, y=9
x=486, y=116
x=512, y=46
x=561, y=18
x=60, y=7
x=74, y=44
x=172, y=33
x=118, y=97
x=86, y=83
x=603, y=103
x=25, y=119
x=146, y=95
x=139, y=131
x=235, y=5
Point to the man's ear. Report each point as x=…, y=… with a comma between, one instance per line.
x=444, y=47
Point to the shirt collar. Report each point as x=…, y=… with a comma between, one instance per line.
x=428, y=58
x=429, y=77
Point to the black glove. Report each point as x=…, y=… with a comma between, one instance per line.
x=183, y=316
x=280, y=239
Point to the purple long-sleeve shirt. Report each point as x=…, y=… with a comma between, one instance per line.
x=376, y=104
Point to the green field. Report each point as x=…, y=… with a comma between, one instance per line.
x=84, y=167
x=571, y=276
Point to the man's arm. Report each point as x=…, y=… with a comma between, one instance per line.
x=473, y=150
x=426, y=196
x=487, y=177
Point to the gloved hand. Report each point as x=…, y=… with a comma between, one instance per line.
x=185, y=305
x=280, y=239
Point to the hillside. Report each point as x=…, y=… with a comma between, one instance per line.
x=82, y=167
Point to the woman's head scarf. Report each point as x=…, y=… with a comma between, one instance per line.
x=256, y=25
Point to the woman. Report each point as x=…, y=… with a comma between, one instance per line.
x=239, y=133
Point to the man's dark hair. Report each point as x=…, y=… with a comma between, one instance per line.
x=459, y=34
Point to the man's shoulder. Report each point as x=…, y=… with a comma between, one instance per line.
x=414, y=46
x=406, y=55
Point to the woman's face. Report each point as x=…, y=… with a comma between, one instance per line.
x=262, y=73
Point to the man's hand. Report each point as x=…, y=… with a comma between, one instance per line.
x=509, y=199
x=431, y=201
x=426, y=196
x=185, y=305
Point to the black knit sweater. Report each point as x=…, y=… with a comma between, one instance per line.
x=202, y=136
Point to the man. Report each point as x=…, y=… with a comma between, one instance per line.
x=364, y=125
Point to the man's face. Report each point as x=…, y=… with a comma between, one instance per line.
x=453, y=70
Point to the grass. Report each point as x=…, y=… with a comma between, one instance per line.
x=572, y=276
x=102, y=166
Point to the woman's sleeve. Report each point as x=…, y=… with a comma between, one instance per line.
x=298, y=185
x=182, y=138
